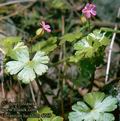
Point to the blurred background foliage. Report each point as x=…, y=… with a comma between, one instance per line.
x=107, y=9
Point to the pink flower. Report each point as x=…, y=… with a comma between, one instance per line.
x=45, y=26
x=89, y=10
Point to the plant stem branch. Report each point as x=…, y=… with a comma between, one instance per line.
x=59, y=62
x=32, y=93
x=63, y=51
x=1, y=73
x=109, y=56
x=110, y=30
x=42, y=92
x=92, y=81
x=110, y=51
x=98, y=23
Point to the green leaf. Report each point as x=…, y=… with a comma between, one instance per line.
x=8, y=43
x=24, y=67
x=76, y=116
x=107, y=117
x=57, y=118
x=70, y=37
x=57, y=4
x=98, y=38
x=74, y=58
x=86, y=70
x=82, y=44
x=100, y=106
x=89, y=46
x=107, y=105
x=45, y=46
x=83, y=50
x=92, y=98
x=11, y=41
x=19, y=52
x=46, y=110
x=81, y=106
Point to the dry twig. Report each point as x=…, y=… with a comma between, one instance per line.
x=110, y=51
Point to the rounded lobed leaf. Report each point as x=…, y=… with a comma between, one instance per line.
x=93, y=98
x=100, y=106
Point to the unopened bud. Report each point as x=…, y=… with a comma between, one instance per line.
x=40, y=32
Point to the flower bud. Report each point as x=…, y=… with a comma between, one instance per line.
x=39, y=32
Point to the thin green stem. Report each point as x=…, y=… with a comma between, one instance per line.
x=61, y=61
x=109, y=30
x=89, y=24
x=92, y=82
x=63, y=53
x=33, y=39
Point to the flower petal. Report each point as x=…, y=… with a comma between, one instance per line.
x=14, y=67
x=47, y=26
x=43, y=23
x=87, y=15
x=47, y=29
x=84, y=10
x=87, y=5
x=23, y=55
x=40, y=57
x=40, y=69
x=20, y=52
x=26, y=75
x=93, y=12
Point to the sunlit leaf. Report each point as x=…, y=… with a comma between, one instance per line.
x=96, y=108
x=83, y=49
x=97, y=39
x=89, y=46
x=93, y=98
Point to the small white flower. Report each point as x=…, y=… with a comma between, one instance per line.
x=26, y=68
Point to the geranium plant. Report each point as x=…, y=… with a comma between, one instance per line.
x=58, y=56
